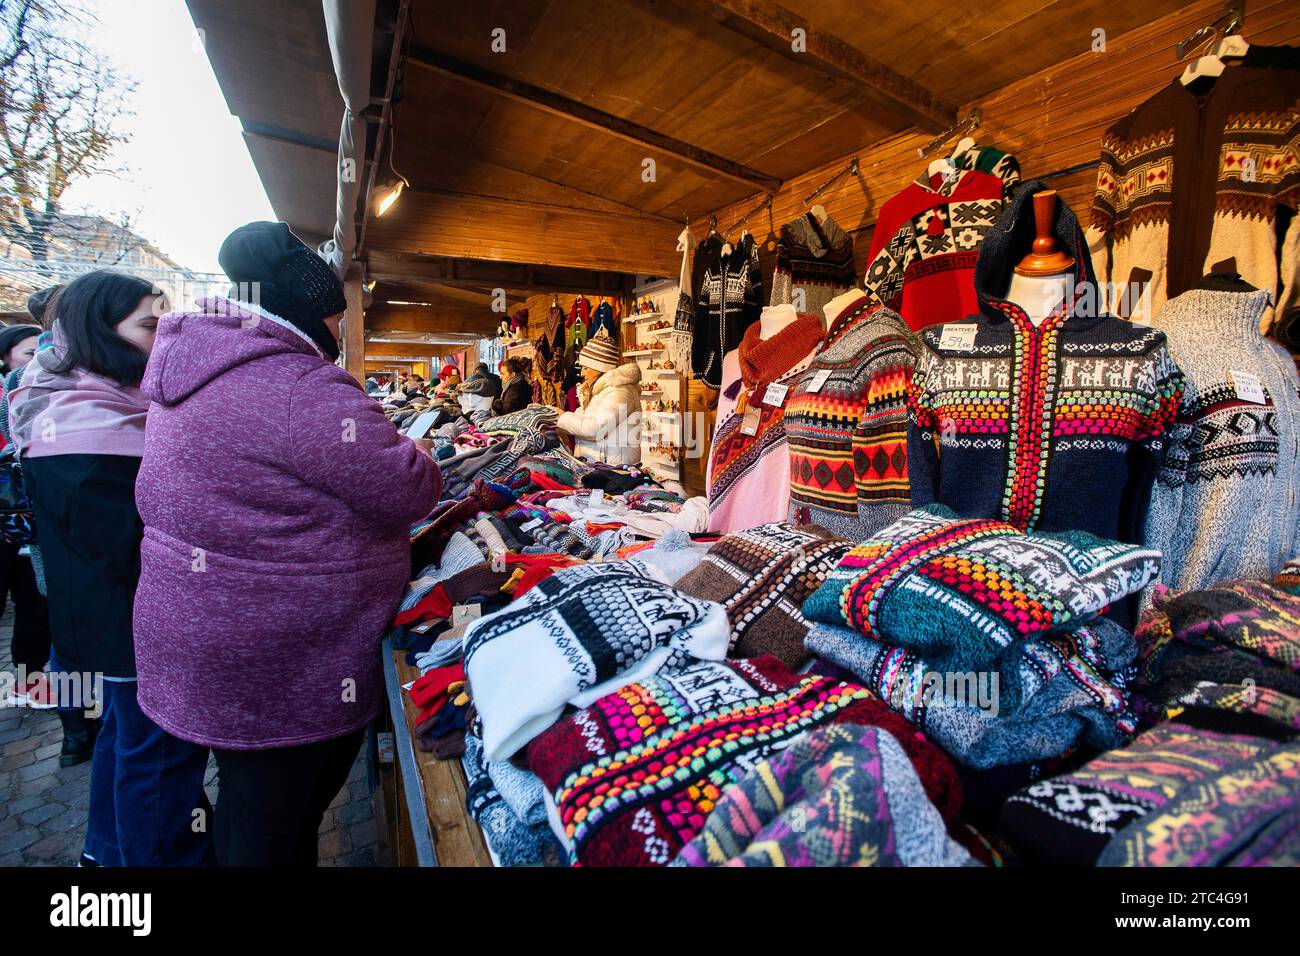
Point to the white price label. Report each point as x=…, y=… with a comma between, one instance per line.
x=1248, y=387
x=774, y=397
x=465, y=612
x=817, y=381
x=958, y=337
x=597, y=497
x=535, y=523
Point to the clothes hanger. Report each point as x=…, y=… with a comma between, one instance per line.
x=946, y=166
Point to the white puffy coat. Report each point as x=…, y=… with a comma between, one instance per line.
x=607, y=427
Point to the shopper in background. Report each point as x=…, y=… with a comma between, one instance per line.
x=479, y=392
x=607, y=425
x=78, y=419
x=448, y=381
x=277, y=500
x=516, y=393
x=30, y=645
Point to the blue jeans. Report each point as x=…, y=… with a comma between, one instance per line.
x=146, y=791
x=54, y=668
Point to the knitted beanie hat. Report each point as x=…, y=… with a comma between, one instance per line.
x=672, y=555
x=600, y=353
x=292, y=282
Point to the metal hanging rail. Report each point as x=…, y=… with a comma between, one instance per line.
x=969, y=124
x=765, y=204
x=850, y=170
x=1229, y=21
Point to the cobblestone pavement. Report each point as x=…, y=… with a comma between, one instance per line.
x=43, y=806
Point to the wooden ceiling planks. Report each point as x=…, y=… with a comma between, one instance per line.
x=1051, y=121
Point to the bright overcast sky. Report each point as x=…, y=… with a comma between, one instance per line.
x=189, y=178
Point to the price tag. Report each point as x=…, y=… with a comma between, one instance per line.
x=424, y=627
x=597, y=497
x=462, y=613
x=958, y=337
x=535, y=523
x=1248, y=387
x=749, y=424
x=817, y=381
x=774, y=397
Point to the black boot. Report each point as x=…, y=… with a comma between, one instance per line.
x=79, y=733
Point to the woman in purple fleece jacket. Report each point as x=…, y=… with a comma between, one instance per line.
x=276, y=499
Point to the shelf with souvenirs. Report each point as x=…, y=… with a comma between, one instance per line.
x=998, y=555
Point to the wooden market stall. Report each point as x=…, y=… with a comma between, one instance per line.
x=547, y=151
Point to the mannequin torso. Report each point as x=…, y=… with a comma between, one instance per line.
x=774, y=318
x=1039, y=295
x=837, y=305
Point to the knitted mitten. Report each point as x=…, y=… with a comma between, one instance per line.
x=435, y=682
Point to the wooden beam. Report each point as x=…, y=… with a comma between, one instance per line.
x=578, y=112
x=411, y=348
x=354, y=325
x=404, y=267
x=773, y=26
x=414, y=318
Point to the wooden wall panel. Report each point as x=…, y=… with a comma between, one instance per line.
x=1051, y=121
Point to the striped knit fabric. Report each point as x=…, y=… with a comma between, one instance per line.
x=814, y=264
x=762, y=576
x=968, y=594
x=848, y=438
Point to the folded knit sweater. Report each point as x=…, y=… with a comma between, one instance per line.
x=1227, y=500
x=846, y=425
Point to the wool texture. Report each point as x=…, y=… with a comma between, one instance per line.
x=1059, y=426
x=1247, y=815
x=634, y=777
x=968, y=594
x=814, y=262
x=573, y=638
x=838, y=796
x=848, y=435
x=1069, y=820
x=748, y=476
x=762, y=577
x=1073, y=690
x=516, y=842
x=727, y=302
x=1236, y=144
x=927, y=238
x=1226, y=503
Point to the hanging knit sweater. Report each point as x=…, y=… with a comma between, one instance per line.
x=1193, y=178
x=549, y=366
x=1227, y=501
x=1059, y=426
x=927, y=238
x=814, y=264
x=846, y=425
x=728, y=302
x=748, y=476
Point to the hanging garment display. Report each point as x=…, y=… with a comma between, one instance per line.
x=846, y=424
x=1227, y=500
x=1059, y=426
x=927, y=238
x=729, y=300
x=1194, y=178
x=549, y=365
x=814, y=260
x=707, y=256
x=748, y=475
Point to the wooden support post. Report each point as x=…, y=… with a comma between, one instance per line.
x=354, y=325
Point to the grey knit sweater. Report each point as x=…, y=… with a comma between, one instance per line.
x=1226, y=503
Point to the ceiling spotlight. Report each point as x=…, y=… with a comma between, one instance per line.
x=389, y=194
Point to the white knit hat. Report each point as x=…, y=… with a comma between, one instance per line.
x=600, y=353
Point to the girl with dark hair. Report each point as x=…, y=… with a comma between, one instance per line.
x=30, y=648
x=78, y=419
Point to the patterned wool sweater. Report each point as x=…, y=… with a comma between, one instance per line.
x=927, y=238
x=1227, y=501
x=1188, y=181
x=1055, y=427
x=847, y=436
x=748, y=476
x=814, y=261
x=727, y=303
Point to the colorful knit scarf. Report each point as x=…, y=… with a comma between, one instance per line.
x=763, y=361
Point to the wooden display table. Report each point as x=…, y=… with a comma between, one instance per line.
x=428, y=824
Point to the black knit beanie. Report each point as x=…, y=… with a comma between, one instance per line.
x=292, y=281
